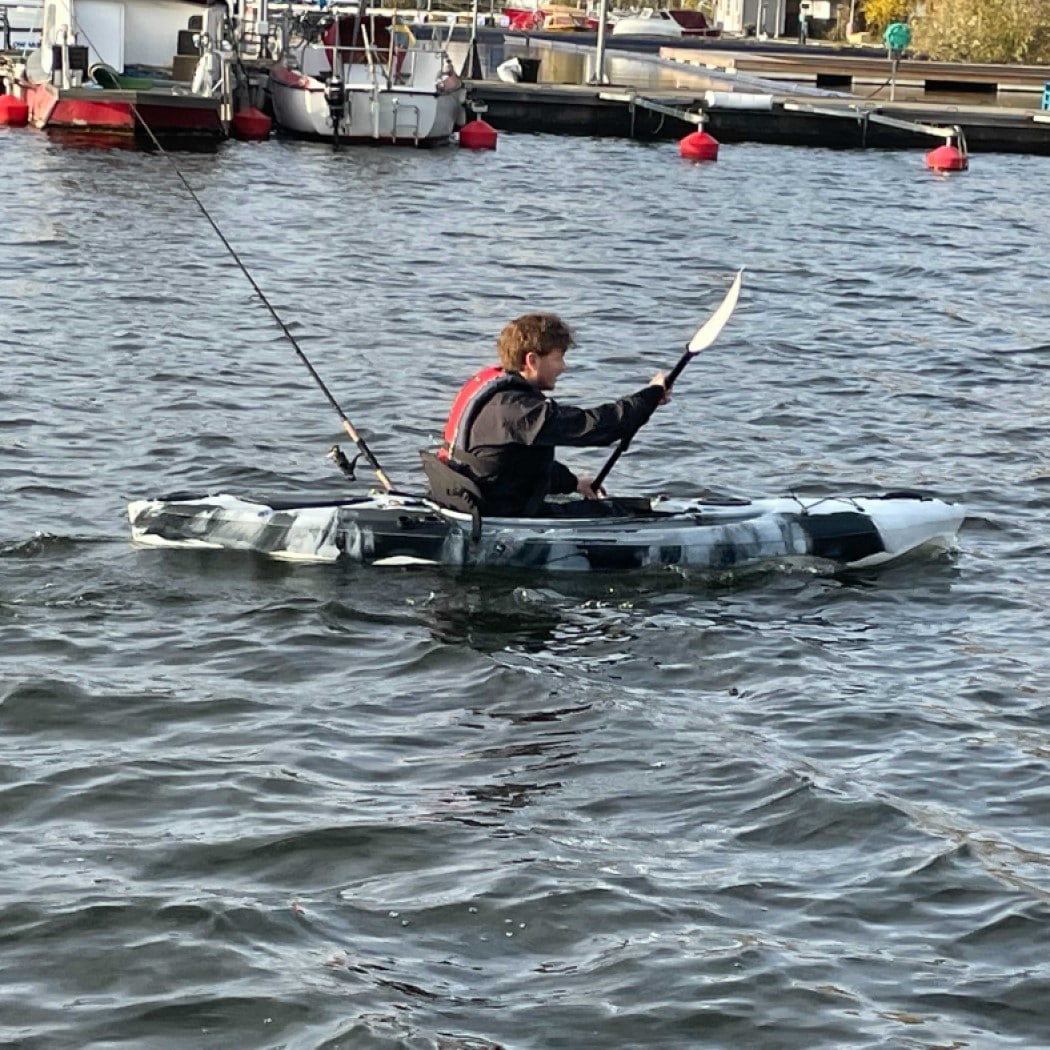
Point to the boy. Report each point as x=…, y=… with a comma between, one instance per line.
x=502, y=431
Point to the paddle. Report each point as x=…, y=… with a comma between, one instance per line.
x=705, y=336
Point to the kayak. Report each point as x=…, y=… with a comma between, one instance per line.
x=391, y=529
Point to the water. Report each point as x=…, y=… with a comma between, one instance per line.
x=248, y=804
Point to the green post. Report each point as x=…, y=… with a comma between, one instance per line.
x=896, y=38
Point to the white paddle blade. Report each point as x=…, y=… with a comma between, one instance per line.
x=712, y=327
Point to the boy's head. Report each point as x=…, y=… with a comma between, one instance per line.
x=539, y=334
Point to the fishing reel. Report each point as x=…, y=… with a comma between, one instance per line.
x=346, y=466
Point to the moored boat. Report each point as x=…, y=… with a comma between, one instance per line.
x=694, y=22
x=364, y=77
x=556, y=18
x=691, y=23
x=650, y=23
x=387, y=529
x=113, y=69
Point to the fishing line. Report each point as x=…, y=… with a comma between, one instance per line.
x=347, y=425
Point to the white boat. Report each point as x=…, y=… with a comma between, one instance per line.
x=105, y=67
x=392, y=529
x=648, y=22
x=364, y=77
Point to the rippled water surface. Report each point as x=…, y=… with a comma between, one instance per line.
x=247, y=804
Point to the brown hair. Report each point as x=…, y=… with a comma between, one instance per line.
x=540, y=334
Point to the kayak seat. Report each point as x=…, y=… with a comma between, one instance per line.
x=452, y=488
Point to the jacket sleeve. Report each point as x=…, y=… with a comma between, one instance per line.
x=563, y=481
x=545, y=422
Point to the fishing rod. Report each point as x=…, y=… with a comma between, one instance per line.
x=349, y=427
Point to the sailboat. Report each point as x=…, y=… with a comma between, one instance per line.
x=360, y=76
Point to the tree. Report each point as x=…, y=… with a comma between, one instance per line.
x=984, y=30
x=880, y=13
x=969, y=30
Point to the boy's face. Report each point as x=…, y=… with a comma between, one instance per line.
x=543, y=372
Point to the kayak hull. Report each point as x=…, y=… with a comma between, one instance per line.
x=389, y=529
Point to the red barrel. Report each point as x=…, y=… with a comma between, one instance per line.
x=477, y=135
x=251, y=125
x=13, y=111
x=699, y=146
x=947, y=158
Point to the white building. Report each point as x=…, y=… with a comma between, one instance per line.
x=770, y=18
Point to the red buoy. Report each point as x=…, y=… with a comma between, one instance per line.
x=698, y=145
x=251, y=125
x=947, y=158
x=477, y=135
x=13, y=111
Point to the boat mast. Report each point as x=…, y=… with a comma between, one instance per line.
x=599, y=76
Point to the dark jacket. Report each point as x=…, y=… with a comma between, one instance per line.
x=510, y=445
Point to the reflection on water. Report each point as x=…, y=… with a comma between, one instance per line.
x=550, y=629
x=70, y=138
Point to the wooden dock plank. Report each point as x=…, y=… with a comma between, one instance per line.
x=823, y=63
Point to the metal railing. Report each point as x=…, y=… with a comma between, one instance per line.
x=6, y=28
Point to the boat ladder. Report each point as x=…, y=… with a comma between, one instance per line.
x=397, y=107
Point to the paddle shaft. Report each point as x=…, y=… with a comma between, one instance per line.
x=706, y=334
x=625, y=443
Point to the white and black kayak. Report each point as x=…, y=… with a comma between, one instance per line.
x=389, y=529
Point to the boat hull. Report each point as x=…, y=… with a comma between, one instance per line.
x=401, y=115
x=687, y=534
x=664, y=28
x=123, y=73
x=86, y=110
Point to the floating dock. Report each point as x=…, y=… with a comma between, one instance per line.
x=775, y=92
x=837, y=122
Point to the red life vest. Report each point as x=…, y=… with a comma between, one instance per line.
x=473, y=394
